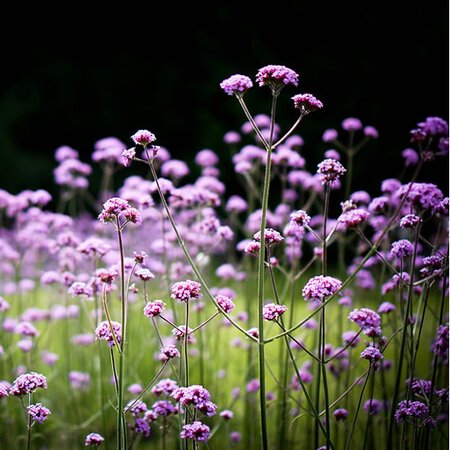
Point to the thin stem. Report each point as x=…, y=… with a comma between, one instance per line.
x=29, y=423
x=291, y=130
x=186, y=353
x=252, y=121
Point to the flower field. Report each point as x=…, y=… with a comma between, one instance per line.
x=168, y=310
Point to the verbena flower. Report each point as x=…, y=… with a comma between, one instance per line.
x=103, y=332
x=27, y=383
x=154, y=308
x=402, y=248
x=93, y=439
x=440, y=343
x=329, y=135
x=300, y=218
x=197, y=396
x=196, y=431
x=306, y=103
x=373, y=406
x=411, y=410
x=169, y=352
x=320, y=287
x=143, y=137
x=38, y=413
x=236, y=85
x=271, y=236
x=141, y=427
x=184, y=291
x=276, y=77
x=351, y=124
x=115, y=207
x=354, y=217
x=340, y=414
x=164, y=408
x=372, y=354
x=136, y=407
x=330, y=170
x=368, y=320
x=409, y=221
x=272, y=311
x=386, y=308
x=225, y=302
x=165, y=386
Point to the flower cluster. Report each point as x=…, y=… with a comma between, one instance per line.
x=38, y=413
x=320, y=287
x=272, y=311
x=197, y=396
x=183, y=291
x=104, y=332
x=115, y=207
x=369, y=321
x=196, y=431
x=27, y=383
x=330, y=170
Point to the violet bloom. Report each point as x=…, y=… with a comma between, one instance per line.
x=340, y=414
x=402, y=248
x=206, y=158
x=373, y=406
x=421, y=196
x=180, y=333
x=236, y=204
x=136, y=407
x=372, y=354
x=351, y=124
x=164, y=408
x=320, y=287
x=330, y=170
x=272, y=311
x=183, y=291
x=411, y=157
x=351, y=338
x=135, y=389
x=114, y=207
x=38, y=413
x=329, y=135
x=226, y=414
x=252, y=248
x=232, y=137
x=225, y=302
x=165, y=386
x=253, y=386
x=143, y=137
x=411, y=410
x=196, y=431
x=174, y=168
x=353, y=218
x=93, y=439
x=103, y=332
x=306, y=103
x=154, y=308
x=409, y=221
x=169, y=352
x=276, y=77
x=432, y=266
x=144, y=274
x=197, y=396
x=141, y=427
x=370, y=132
x=271, y=237
x=440, y=343
x=368, y=320
x=236, y=85
x=79, y=380
x=300, y=218
x=27, y=383
x=128, y=156
x=386, y=308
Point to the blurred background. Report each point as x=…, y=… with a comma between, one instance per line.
x=100, y=77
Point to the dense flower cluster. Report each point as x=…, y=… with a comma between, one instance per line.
x=236, y=84
x=93, y=439
x=272, y=311
x=330, y=170
x=411, y=410
x=276, y=77
x=27, y=383
x=197, y=396
x=321, y=287
x=368, y=320
x=154, y=308
x=38, y=413
x=196, y=431
x=306, y=103
x=104, y=333
x=183, y=291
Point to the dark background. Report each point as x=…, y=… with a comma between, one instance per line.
x=102, y=77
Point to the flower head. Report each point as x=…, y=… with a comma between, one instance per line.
x=225, y=302
x=402, y=248
x=354, y=217
x=93, y=439
x=272, y=311
x=103, y=332
x=271, y=236
x=351, y=124
x=306, y=103
x=368, y=320
x=372, y=354
x=184, y=291
x=143, y=137
x=236, y=84
x=330, y=170
x=196, y=431
x=38, y=413
x=320, y=287
x=27, y=383
x=340, y=414
x=154, y=308
x=276, y=77
x=300, y=218
x=411, y=410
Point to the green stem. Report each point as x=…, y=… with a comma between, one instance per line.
x=29, y=423
x=348, y=179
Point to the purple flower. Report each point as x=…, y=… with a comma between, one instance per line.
x=183, y=291
x=372, y=354
x=144, y=274
x=180, y=333
x=114, y=207
x=431, y=127
x=351, y=338
x=411, y=410
x=93, y=439
x=197, y=396
x=276, y=77
x=26, y=329
x=136, y=407
x=225, y=302
x=386, y=308
x=271, y=236
x=354, y=217
x=174, y=168
x=368, y=320
x=432, y=266
x=440, y=343
x=272, y=311
x=370, y=132
x=128, y=156
x=421, y=196
x=402, y=248
x=236, y=204
x=169, y=352
x=27, y=383
x=373, y=406
x=135, y=389
x=197, y=431
x=300, y=218
x=165, y=386
x=236, y=84
x=141, y=427
x=232, y=137
x=351, y=124
x=329, y=135
x=103, y=332
x=79, y=380
x=106, y=275
x=320, y=287
x=206, y=158
x=330, y=170
x=409, y=221
x=253, y=385
x=143, y=137
x=226, y=414
x=340, y=414
x=164, y=408
x=38, y=413
x=411, y=157
x=306, y=103
x=235, y=437
x=252, y=248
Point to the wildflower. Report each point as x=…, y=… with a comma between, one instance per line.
x=79, y=380
x=411, y=409
x=440, y=343
x=329, y=135
x=409, y=221
x=320, y=287
x=370, y=132
x=143, y=137
x=235, y=437
x=197, y=396
x=300, y=218
x=174, y=168
x=196, y=431
x=368, y=320
x=180, y=333
x=373, y=406
x=139, y=257
x=232, y=137
x=103, y=332
x=272, y=311
x=169, y=352
x=372, y=354
x=106, y=275
x=432, y=266
x=164, y=408
x=386, y=308
x=252, y=248
x=351, y=124
x=411, y=157
x=402, y=248
x=271, y=237
x=184, y=291
x=353, y=218
x=306, y=103
x=236, y=204
x=135, y=389
x=276, y=77
x=421, y=196
x=330, y=170
x=351, y=338
x=225, y=302
x=226, y=414
x=141, y=427
x=145, y=274
x=165, y=386
x=27, y=383
x=236, y=84
x=253, y=385
x=136, y=407
x=38, y=413
x=340, y=414
x=26, y=329
x=114, y=207
x=128, y=156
